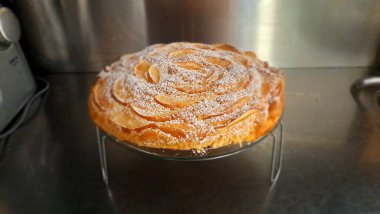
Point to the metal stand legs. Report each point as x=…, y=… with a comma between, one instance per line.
x=276, y=157
x=102, y=155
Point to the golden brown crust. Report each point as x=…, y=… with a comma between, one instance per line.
x=187, y=96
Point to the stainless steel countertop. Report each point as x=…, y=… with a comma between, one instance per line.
x=331, y=160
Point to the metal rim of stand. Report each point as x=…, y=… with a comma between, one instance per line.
x=276, y=156
x=370, y=104
x=363, y=85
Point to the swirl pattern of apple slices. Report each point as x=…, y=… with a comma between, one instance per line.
x=186, y=92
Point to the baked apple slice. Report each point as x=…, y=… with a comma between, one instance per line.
x=242, y=117
x=250, y=55
x=181, y=53
x=179, y=100
x=157, y=114
x=193, y=88
x=129, y=120
x=220, y=123
x=234, y=106
x=217, y=61
x=100, y=99
x=238, y=104
x=190, y=65
x=226, y=48
x=120, y=92
x=234, y=87
x=155, y=137
x=141, y=70
x=213, y=76
x=154, y=74
x=176, y=130
x=242, y=60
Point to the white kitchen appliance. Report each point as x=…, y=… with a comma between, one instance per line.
x=17, y=85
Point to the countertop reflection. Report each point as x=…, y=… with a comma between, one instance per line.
x=331, y=160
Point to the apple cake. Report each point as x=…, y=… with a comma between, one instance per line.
x=185, y=96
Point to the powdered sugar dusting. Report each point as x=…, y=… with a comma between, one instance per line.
x=209, y=90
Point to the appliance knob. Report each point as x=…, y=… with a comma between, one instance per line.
x=9, y=27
